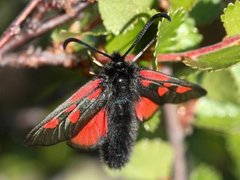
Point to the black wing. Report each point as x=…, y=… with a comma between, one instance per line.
x=162, y=88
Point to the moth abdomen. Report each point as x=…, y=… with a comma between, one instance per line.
x=122, y=132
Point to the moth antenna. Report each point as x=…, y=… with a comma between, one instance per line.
x=145, y=28
x=145, y=48
x=71, y=39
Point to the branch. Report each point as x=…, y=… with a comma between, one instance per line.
x=176, y=136
x=24, y=37
x=14, y=28
x=226, y=42
x=190, y=55
x=193, y=54
x=36, y=58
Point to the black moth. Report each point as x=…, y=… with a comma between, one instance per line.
x=107, y=110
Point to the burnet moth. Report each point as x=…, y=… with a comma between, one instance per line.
x=106, y=111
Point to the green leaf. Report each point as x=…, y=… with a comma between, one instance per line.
x=142, y=4
x=167, y=31
x=231, y=18
x=223, y=85
x=235, y=70
x=116, y=14
x=186, y=4
x=233, y=146
x=205, y=172
x=222, y=57
x=219, y=116
x=187, y=35
x=206, y=11
x=123, y=41
x=177, y=35
x=150, y=159
x=220, y=110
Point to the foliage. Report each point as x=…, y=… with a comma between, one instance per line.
x=204, y=172
x=230, y=19
x=148, y=166
x=177, y=35
x=214, y=142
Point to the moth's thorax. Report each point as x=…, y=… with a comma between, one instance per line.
x=118, y=71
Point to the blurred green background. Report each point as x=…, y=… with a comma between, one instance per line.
x=28, y=95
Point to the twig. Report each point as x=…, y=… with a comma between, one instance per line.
x=176, y=136
x=14, y=28
x=45, y=27
x=193, y=54
x=35, y=58
x=227, y=42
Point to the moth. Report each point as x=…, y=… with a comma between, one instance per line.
x=106, y=111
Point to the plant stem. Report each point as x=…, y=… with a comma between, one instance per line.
x=43, y=28
x=14, y=28
x=176, y=137
x=193, y=54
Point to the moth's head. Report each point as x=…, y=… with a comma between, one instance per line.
x=118, y=61
x=117, y=57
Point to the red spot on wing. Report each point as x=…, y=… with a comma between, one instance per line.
x=74, y=116
x=162, y=91
x=157, y=76
x=95, y=94
x=70, y=108
x=168, y=84
x=91, y=133
x=145, y=108
x=182, y=89
x=52, y=123
x=85, y=90
x=145, y=83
